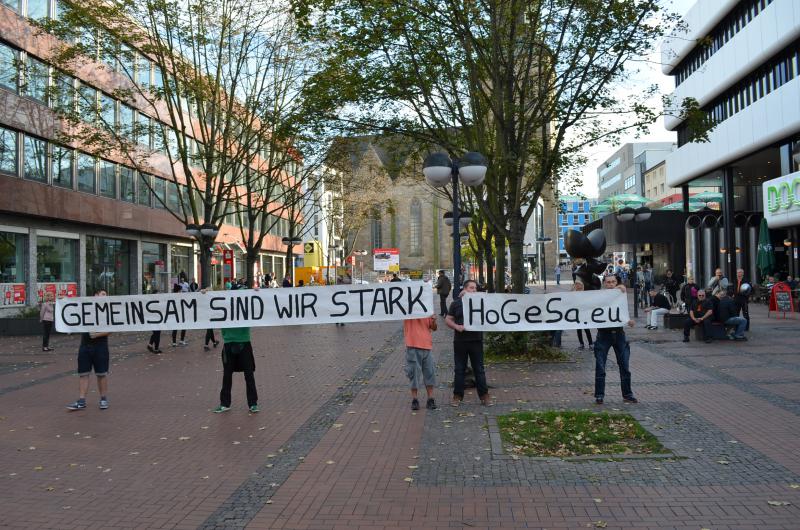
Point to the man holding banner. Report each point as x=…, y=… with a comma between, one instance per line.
x=466, y=344
x=605, y=339
x=92, y=353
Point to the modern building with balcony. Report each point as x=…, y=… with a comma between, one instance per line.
x=740, y=60
x=574, y=213
x=73, y=219
x=623, y=171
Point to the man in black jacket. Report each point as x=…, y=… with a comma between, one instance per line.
x=741, y=298
x=671, y=285
x=701, y=313
x=443, y=287
x=728, y=315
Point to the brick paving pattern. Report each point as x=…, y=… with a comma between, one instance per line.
x=336, y=445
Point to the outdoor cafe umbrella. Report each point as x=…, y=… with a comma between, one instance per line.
x=707, y=196
x=765, y=260
x=693, y=206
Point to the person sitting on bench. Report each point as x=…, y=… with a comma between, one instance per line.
x=728, y=315
x=660, y=307
x=701, y=313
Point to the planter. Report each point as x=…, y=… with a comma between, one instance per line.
x=20, y=327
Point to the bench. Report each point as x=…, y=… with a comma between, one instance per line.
x=718, y=331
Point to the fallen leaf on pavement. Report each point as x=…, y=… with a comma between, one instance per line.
x=779, y=503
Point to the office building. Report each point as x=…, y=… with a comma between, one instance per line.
x=741, y=62
x=574, y=213
x=623, y=171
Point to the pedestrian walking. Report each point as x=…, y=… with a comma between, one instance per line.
x=605, y=340
x=557, y=271
x=210, y=338
x=419, y=359
x=443, y=287
x=92, y=354
x=578, y=286
x=155, y=337
x=466, y=345
x=671, y=285
x=178, y=288
x=46, y=317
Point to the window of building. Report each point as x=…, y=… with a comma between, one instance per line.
x=108, y=111
x=108, y=179
x=56, y=259
x=376, y=233
x=8, y=151
x=16, y=5
x=108, y=265
x=127, y=183
x=35, y=159
x=415, y=228
x=181, y=262
x=173, y=199
x=13, y=263
x=87, y=103
x=63, y=163
x=36, y=79
x=145, y=181
x=630, y=182
x=8, y=67
x=87, y=180
x=38, y=9
x=63, y=93
x=125, y=125
x=155, y=277
x=159, y=193
x=143, y=67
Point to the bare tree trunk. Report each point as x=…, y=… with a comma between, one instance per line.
x=489, y=259
x=205, y=267
x=516, y=245
x=500, y=258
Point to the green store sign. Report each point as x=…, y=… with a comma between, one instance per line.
x=782, y=200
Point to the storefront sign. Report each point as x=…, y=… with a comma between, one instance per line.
x=12, y=293
x=58, y=290
x=782, y=201
x=607, y=308
x=227, y=266
x=386, y=259
x=246, y=308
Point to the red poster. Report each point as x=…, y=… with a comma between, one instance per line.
x=72, y=289
x=19, y=294
x=227, y=265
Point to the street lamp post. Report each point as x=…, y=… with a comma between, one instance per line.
x=542, y=241
x=290, y=242
x=357, y=253
x=440, y=170
x=332, y=249
x=205, y=236
x=626, y=215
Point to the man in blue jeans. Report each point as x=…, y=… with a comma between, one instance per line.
x=728, y=315
x=606, y=338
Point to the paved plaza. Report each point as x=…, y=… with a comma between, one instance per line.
x=337, y=446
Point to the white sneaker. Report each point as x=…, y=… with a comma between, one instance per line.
x=183, y=343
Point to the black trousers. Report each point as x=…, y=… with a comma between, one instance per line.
x=210, y=336
x=175, y=334
x=227, y=384
x=155, y=338
x=742, y=307
x=443, y=303
x=588, y=336
x=474, y=352
x=689, y=324
x=47, y=328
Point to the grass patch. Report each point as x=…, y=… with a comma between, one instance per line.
x=575, y=433
x=529, y=346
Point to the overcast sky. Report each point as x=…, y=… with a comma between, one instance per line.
x=650, y=73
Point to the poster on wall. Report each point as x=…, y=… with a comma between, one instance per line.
x=12, y=293
x=57, y=289
x=386, y=259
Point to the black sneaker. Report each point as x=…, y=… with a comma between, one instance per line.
x=740, y=338
x=414, y=404
x=598, y=401
x=630, y=399
x=431, y=404
x=685, y=339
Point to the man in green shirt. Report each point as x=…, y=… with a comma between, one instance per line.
x=237, y=356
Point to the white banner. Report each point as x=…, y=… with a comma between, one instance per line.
x=607, y=308
x=243, y=308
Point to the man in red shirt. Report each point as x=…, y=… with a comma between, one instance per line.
x=419, y=360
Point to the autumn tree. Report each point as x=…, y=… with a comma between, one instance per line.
x=529, y=84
